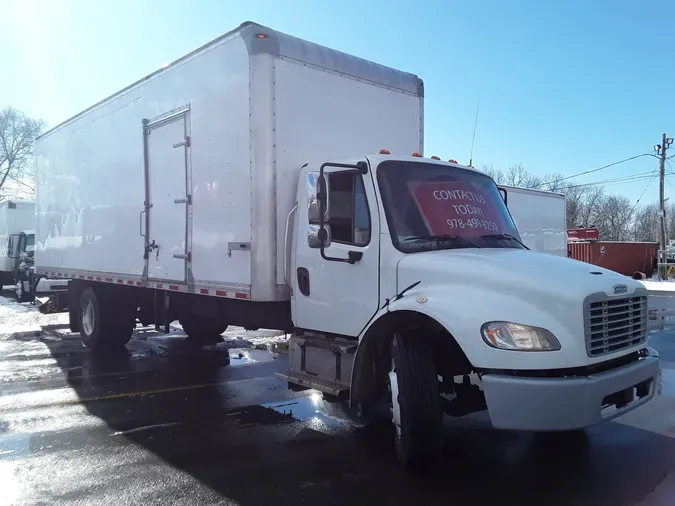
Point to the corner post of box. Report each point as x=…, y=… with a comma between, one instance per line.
x=263, y=48
x=145, y=214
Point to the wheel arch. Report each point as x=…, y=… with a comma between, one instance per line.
x=372, y=359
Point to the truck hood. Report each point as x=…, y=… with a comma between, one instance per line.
x=506, y=269
x=465, y=288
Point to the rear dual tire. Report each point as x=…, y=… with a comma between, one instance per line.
x=202, y=331
x=104, y=323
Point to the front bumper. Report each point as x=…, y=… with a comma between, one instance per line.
x=558, y=404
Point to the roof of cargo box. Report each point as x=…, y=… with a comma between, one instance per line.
x=261, y=39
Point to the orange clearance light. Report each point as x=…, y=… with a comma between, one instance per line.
x=261, y=36
x=417, y=155
x=435, y=157
x=384, y=152
x=452, y=160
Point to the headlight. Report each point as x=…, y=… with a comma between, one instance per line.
x=513, y=336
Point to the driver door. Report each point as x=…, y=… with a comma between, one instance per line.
x=330, y=294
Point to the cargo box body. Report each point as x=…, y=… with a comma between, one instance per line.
x=196, y=166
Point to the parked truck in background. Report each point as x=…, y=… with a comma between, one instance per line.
x=267, y=182
x=540, y=217
x=17, y=247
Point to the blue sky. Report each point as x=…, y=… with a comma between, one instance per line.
x=565, y=86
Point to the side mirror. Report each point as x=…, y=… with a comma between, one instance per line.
x=502, y=192
x=314, y=236
x=317, y=189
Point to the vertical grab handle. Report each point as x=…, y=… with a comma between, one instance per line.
x=140, y=223
x=286, y=252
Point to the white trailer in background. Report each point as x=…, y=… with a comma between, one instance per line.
x=238, y=186
x=541, y=218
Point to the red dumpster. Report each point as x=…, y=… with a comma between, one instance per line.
x=622, y=257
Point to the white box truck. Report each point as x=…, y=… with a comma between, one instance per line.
x=16, y=216
x=17, y=246
x=540, y=217
x=238, y=186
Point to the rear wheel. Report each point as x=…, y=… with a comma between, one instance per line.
x=202, y=330
x=415, y=403
x=103, y=324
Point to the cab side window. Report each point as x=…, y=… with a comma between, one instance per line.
x=349, y=213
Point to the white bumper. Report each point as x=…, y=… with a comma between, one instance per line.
x=558, y=404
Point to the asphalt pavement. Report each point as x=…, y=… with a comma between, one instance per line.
x=166, y=423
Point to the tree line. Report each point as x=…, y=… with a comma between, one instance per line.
x=615, y=216
x=588, y=205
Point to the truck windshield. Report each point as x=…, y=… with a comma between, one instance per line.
x=431, y=206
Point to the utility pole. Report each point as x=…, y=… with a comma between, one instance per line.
x=661, y=149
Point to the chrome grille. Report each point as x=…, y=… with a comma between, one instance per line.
x=614, y=324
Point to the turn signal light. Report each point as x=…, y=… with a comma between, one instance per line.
x=435, y=157
x=417, y=155
x=384, y=152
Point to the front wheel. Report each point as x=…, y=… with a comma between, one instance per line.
x=21, y=294
x=415, y=403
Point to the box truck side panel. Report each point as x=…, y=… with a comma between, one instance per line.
x=324, y=115
x=91, y=184
x=540, y=218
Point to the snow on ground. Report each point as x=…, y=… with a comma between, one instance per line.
x=25, y=318
x=659, y=285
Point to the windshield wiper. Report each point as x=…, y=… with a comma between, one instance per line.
x=442, y=237
x=505, y=237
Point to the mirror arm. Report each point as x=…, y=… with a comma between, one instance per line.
x=362, y=167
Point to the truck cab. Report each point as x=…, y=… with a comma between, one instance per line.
x=27, y=285
x=412, y=291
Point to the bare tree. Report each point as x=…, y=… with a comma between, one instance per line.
x=645, y=223
x=17, y=135
x=614, y=218
x=495, y=174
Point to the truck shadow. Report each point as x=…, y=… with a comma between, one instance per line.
x=223, y=418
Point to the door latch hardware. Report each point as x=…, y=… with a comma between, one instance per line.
x=185, y=200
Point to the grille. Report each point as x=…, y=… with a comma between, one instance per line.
x=615, y=324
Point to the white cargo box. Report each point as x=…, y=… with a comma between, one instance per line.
x=15, y=217
x=226, y=130
x=541, y=218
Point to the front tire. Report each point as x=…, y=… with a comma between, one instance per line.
x=101, y=323
x=21, y=294
x=415, y=403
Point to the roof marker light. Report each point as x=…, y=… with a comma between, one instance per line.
x=435, y=157
x=384, y=152
x=452, y=160
x=417, y=155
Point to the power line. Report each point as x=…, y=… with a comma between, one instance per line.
x=596, y=170
x=644, y=191
x=620, y=179
x=668, y=180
